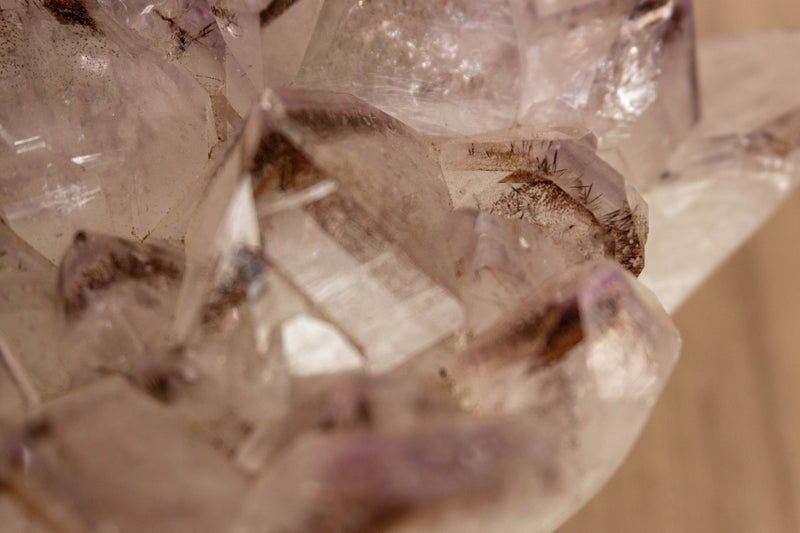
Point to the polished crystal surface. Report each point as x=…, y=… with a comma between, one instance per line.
x=354, y=266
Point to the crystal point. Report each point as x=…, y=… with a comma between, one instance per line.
x=586, y=359
x=328, y=172
x=396, y=288
x=623, y=69
x=96, y=113
x=554, y=182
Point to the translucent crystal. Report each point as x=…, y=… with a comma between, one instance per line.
x=440, y=66
x=240, y=375
x=360, y=327
x=187, y=33
x=109, y=458
x=346, y=401
x=370, y=272
x=370, y=288
x=79, y=115
x=28, y=306
x=353, y=481
x=239, y=23
x=624, y=69
x=119, y=300
x=311, y=346
x=556, y=391
x=734, y=170
x=387, y=168
x=286, y=29
x=585, y=358
x=118, y=297
x=631, y=77
x=499, y=262
x=224, y=223
x=553, y=181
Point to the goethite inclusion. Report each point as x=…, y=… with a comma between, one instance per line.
x=356, y=265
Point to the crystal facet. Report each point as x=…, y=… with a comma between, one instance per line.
x=553, y=182
x=78, y=116
x=107, y=457
x=405, y=306
x=734, y=169
x=624, y=69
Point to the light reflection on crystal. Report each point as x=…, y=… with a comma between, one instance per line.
x=447, y=61
x=311, y=346
x=101, y=90
x=326, y=321
x=31, y=143
x=360, y=294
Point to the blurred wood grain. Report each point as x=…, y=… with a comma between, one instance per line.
x=721, y=452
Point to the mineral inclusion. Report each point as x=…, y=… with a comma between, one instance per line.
x=353, y=266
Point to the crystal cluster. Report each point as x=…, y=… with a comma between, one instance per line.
x=342, y=265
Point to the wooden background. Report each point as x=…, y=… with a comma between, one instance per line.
x=722, y=450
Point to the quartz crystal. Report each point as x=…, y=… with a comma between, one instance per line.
x=546, y=389
x=155, y=474
x=351, y=266
x=735, y=169
x=326, y=173
x=554, y=182
x=187, y=33
x=79, y=116
x=624, y=69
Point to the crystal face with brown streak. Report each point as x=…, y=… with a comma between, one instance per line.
x=408, y=305
x=338, y=323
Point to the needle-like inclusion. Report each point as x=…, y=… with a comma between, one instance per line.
x=553, y=181
x=352, y=326
x=622, y=68
x=336, y=323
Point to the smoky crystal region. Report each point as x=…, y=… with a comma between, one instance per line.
x=356, y=266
